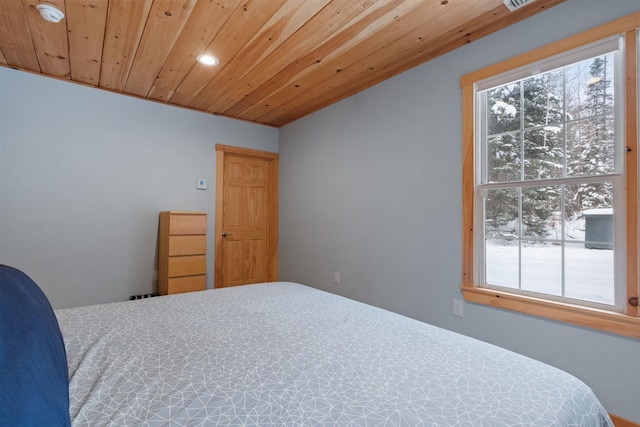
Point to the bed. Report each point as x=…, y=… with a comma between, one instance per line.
x=284, y=354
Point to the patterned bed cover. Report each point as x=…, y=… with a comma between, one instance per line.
x=284, y=354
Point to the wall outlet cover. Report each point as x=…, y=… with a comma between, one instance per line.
x=458, y=308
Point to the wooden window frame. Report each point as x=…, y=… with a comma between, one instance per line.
x=627, y=323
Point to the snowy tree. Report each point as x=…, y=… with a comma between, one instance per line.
x=591, y=139
x=536, y=153
x=551, y=125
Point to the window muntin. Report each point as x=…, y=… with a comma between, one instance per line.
x=549, y=163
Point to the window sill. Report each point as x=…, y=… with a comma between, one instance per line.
x=603, y=320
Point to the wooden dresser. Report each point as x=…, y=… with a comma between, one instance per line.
x=182, y=252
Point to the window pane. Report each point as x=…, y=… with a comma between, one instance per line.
x=502, y=266
x=542, y=268
x=590, y=87
x=544, y=153
x=501, y=213
x=589, y=251
x=591, y=147
x=589, y=273
x=543, y=99
x=541, y=211
x=504, y=158
x=503, y=108
x=582, y=197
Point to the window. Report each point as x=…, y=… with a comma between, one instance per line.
x=548, y=193
x=550, y=181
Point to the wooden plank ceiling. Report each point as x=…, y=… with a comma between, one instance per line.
x=279, y=59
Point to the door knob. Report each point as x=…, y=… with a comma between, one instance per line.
x=224, y=234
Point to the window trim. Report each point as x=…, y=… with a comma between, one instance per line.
x=627, y=323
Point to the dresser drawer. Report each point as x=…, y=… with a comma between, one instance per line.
x=179, y=285
x=187, y=224
x=187, y=245
x=187, y=265
x=182, y=252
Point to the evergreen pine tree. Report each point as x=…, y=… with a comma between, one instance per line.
x=591, y=141
x=526, y=140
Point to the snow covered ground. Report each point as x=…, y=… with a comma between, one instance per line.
x=588, y=272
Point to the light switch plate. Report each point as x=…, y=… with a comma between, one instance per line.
x=201, y=184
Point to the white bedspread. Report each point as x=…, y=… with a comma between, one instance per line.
x=283, y=354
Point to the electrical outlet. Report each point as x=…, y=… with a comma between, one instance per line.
x=458, y=309
x=336, y=278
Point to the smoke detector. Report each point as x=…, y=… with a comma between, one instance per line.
x=50, y=13
x=516, y=4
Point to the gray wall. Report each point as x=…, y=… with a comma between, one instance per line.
x=371, y=188
x=83, y=175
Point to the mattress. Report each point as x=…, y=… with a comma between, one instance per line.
x=284, y=354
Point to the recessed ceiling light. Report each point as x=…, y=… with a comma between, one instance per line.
x=207, y=60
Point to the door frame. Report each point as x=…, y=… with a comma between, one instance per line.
x=273, y=170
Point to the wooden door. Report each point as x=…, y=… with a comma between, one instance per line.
x=246, y=216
